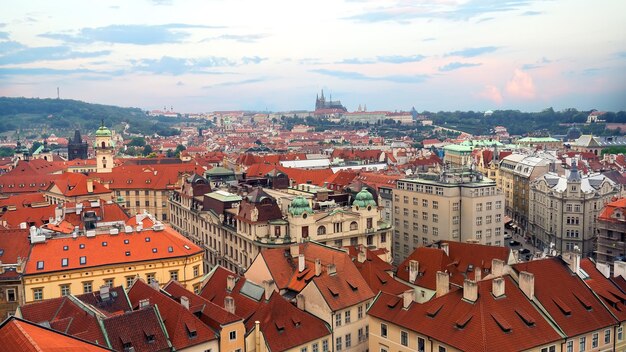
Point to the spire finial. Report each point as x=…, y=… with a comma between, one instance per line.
x=102, y=123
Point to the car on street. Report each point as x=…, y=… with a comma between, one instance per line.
x=524, y=251
x=507, y=236
x=514, y=243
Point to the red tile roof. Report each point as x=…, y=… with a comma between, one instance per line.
x=314, y=176
x=14, y=244
x=34, y=167
x=376, y=272
x=20, y=335
x=284, y=326
x=135, y=328
x=22, y=200
x=154, y=176
x=25, y=183
x=114, y=252
x=568, y=295
x=610, y=209
x=507, y=323
x=430, y=260
x=476, y=255
x=609, y=294
x=72, y=184
x=214, y=290
x=34, y=216
x=180, y=323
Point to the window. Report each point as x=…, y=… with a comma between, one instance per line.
x=232, y=335
x=594, y=340
x=570, y=346
x=348, y=340
x=196, y=270
x=40, y=265
x=83, y=260
x=87, y=286
x=607, y=336
x=435, y=218
x=174, y=275
x=315, y=347
x=321, y=230
x=425, y=203
x=338, y=344
x=442, y=349
x=498, y=218
x=383, y=330
x=11, y=296
x=424, y=229
x=347, y=317
x=150, y=277
x=549, y=349
x=338, y=319
x=620, y=333
x=38, y=294
x=455, y=206
x=582, y=344
x=498, y=204
x=424, y=215
x=404, y=338
x=64, y=262
x=303, y=349
x=129, y=281
x=479, y=206
x=435, y=231
x=360, y=312
x=488, y=206
x=455, y=220
x=421, y=344
x=479, y=234
x=479, y=221
x=325, y=346
x=65, y=290
x=498, y=231
x=108, y=282
x=405, y=199
x=488, y=219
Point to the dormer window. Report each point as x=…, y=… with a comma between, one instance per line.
x=40, y=265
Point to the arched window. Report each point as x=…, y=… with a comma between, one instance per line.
x=103, y=145
x=354, y=226
x=321, y=230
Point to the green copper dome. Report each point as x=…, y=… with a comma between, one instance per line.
x=364, y=198
x=103, y=131
x=299, y=206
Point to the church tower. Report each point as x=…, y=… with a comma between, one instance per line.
x=104, y=148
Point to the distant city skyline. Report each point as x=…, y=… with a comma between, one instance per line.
x=198, y=56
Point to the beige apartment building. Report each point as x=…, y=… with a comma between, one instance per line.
x=563, y=209
x=516, y=172
x=455, y=205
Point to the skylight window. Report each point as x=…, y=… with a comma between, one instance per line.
x=128, y=253
x=170, y=249
x=40, y=265
x=64, y=262
x=187, y=247
x=147, y=239
x=65, y=248
x=104, y=244
x=83, y=260
x=81, y=246
x=126, y=241
x=154, y=250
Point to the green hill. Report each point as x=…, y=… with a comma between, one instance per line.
x=62, y=116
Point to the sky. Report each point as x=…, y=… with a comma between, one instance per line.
x=277, y=55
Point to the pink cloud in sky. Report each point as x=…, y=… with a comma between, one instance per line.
x=492, y=93
x=521, y=85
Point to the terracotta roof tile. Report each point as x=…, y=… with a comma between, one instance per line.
x=609, y=294
x=140, y=329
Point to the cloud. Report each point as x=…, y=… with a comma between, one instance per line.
x=361, y=77
x=129, y=34
x=393, y=59
x=457, y=65
x=532, y=13
x=538, y=64
x=178, y=66
x=252, y=59
x=236, y=83
x=242, y=38
x=521, y=85
x=404, y=11
x=472, y=52
x=492, y=93
x=16, y=53
x=4, y=35
x=40, y=71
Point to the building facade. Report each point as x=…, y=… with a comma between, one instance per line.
x=611, y=227
x=77, y=148
x=563, y=209
x=456, y=205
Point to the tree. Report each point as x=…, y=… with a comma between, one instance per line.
x=137, y=142
x=179, y=149
x=147, y=150
x=35, y=146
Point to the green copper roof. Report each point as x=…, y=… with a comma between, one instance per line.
x=103, y=131
x=537, y=140
x=364, y=198
x=219, y=171
x=458, y=148
x=224, y=196
x=299, y=206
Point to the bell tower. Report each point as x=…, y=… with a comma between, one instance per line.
x=104, y=148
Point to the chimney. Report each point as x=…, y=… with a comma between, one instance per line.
x=58, y=212
x=89, y=185
x=575, y=263
x=446, y=248
x=443, y=283
x=300, y=301
x=605, y=269
x=497, y=267
x=331, y=269
x=362, y=256
x=155, y=284
x=184, y=301
x=294, y=250
x=527, y=284
x=470, y=290
x=230, y=283
x=497, y=287
x=144, y=302
x=301, y=263
x=268, y=288
x=478, y=274
x=229, y=304
x=104, y=292
x=318, y=266
x=619, y=269
x=407, y=298
x=413, y=270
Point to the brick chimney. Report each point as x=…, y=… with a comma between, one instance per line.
x=184, y=301
x=230, y=283
x=443, y=283
x=470, y=290
x=527, y=284
x=497, y=267
x=407, y=298
x=446, y=248
x=229, y=304
x=413, y=270
x=294, y=250
x=619, y=269
x=301, y=263
x=497, y=287
x=331, y=269
x=269, y=287
x=318, y=266
x=89, y=185
x=300, y=301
